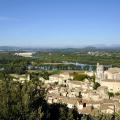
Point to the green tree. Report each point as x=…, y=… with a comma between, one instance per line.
x=96, y=85
x=110, y=94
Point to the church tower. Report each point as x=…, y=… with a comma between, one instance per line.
x=99, y=73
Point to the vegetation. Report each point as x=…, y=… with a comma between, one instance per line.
x=96, y=85
x=16, y=64
x=26, y=101
x=13, y=64
x=79, y=76
x=110, y=94
x=107, y=57
x=117, y=94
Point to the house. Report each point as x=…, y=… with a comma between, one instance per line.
x=61, y=78
x=112, y=74
x=109, y=78
x=89, y=73
x=70, y=102
x=109, y=106
x=81, y=85
x=113, y=85
x=66, y=76
x=24, y=54
x=20, y=78
x=103, y=92
x=89, y=111
x=91, y=95
x=74, y=84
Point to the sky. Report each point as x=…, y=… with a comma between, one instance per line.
x=59, y=23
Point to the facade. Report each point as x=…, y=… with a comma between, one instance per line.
x=109, y=78
x=61, y=79
x=24, y=54
x=56, y=78
x=112, y=74
x=113, y=86
x=89, y=73
x=20, y=78
x=99, y=72
x=80, y=95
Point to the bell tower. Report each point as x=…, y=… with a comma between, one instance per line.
x=99, y=73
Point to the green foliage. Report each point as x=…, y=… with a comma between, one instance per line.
x=110, y=94
x=26, y=101
x=111, y=57
x=2, y=75
x=103, y=117
x=13, y=64
x=36, y=75
x=45, y=75
x=92, y=78
x=96, y=85
x=61, y=112
x=79, y=77
x=17, y=100
x=117, y=94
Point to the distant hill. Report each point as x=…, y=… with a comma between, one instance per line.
x=84, y=49
x=14, y=48
x=8, y=48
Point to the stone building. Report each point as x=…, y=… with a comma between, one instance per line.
x=109, y=78
x=99, y=72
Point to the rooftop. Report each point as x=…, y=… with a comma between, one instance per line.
x=89, y=110
x=76, y=82
x=109, y=80
x=114, y=70
x=56, y=75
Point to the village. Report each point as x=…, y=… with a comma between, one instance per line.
x=61, y=88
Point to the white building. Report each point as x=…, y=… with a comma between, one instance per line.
x=109, y=78
x=112, y=74
x=24, y=54
x=20, y=78
x=99, y=72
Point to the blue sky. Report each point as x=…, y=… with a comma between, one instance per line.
x=59, y=23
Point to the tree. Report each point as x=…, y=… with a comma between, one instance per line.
x=18, y=101
x=96, y=85
x=79, y=77
x=70, y=115
x=110, y=94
